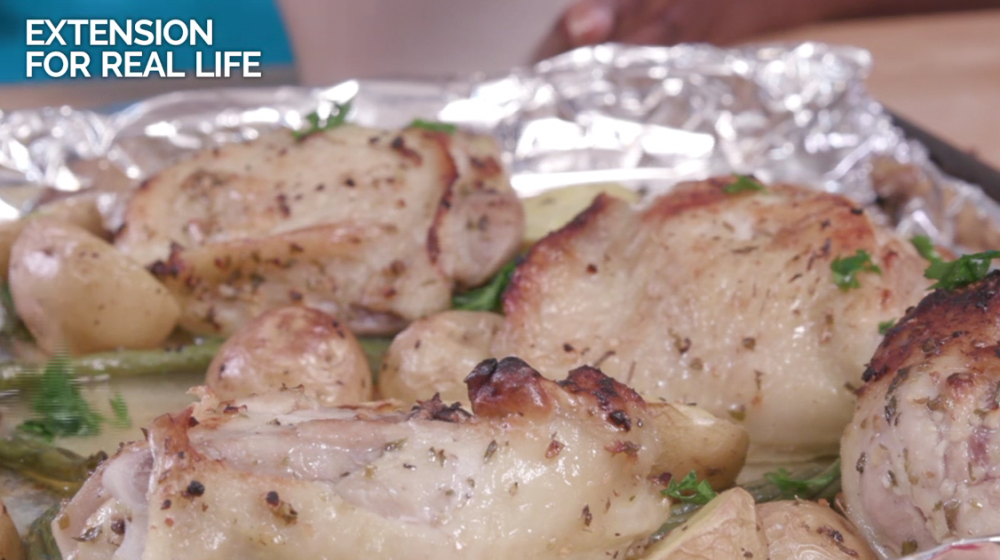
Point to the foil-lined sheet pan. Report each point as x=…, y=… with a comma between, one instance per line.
x=646, y=117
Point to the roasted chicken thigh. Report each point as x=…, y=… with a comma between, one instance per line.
x=539, y=469
x=922, y=455
x=722, y=299
x=373, y=227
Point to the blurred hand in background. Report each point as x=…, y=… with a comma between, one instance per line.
x=667, y=22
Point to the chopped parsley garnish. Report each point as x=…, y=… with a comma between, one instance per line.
x=846, y=269
x=744, y=183
x=925, y=247
x=690, y=490
x=489, y=296
x=316, y=124
x=884, y=326
x=960, y=272
x=792, y=487
x=61, y=409
x=120, y=410
x=955, y=274
x=433, y=126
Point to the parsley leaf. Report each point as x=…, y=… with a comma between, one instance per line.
x=62, y=411
x=960, y=272
x=61, y=408
x=846, y=269
x=120, y=409
x=884, y=326
x=925, y=247
x=489, y=296
x=690, y=490
x=316, y=124
x=955, y=274
x=792, y=488
x=744, y=183
x=433, y=126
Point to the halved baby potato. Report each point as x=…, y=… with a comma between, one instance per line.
x=799, y=529
x=80, y=210
x=549, y=211
x=291, y=347
x=714, y=448
x=435, y=354
x=76, y=293
x=726, y=528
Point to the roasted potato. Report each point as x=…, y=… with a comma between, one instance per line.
x=10, y=542
x=290, y=347
x=79, y=210
x=435, y=354
x=9, y=232
x=714, y=448
x=726, y=528
x=808, y=530
x=76, y=293
x=549, y=211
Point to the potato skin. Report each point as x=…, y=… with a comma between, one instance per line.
x=801, y=529
x=696, y=440
x=292, y=346
x=435, y=354
x=726, y=528
x=76, y=293
x=9, y=232
x=11, y=547
x=80, y=210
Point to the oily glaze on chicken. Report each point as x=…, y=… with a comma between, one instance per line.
x=724, y=300
x=373, y=227
x=922, y=455
x=569, y=470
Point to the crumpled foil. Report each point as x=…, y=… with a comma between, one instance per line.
x=645, y=117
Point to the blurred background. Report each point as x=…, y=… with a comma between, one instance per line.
x=937, y=62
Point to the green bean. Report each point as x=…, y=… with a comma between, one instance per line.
x=40, y=544
x=122, y=363
x=375, y=348
x=58, y=469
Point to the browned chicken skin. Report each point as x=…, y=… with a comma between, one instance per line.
x=724, y=300
x=373, y=227
x=539, y=469
x=922, y=455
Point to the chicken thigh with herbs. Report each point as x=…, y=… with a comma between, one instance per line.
x=922, y=455
x=376, y=228
x=539, y=469
x=725, y=299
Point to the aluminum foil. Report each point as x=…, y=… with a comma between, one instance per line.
x=646, y=117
